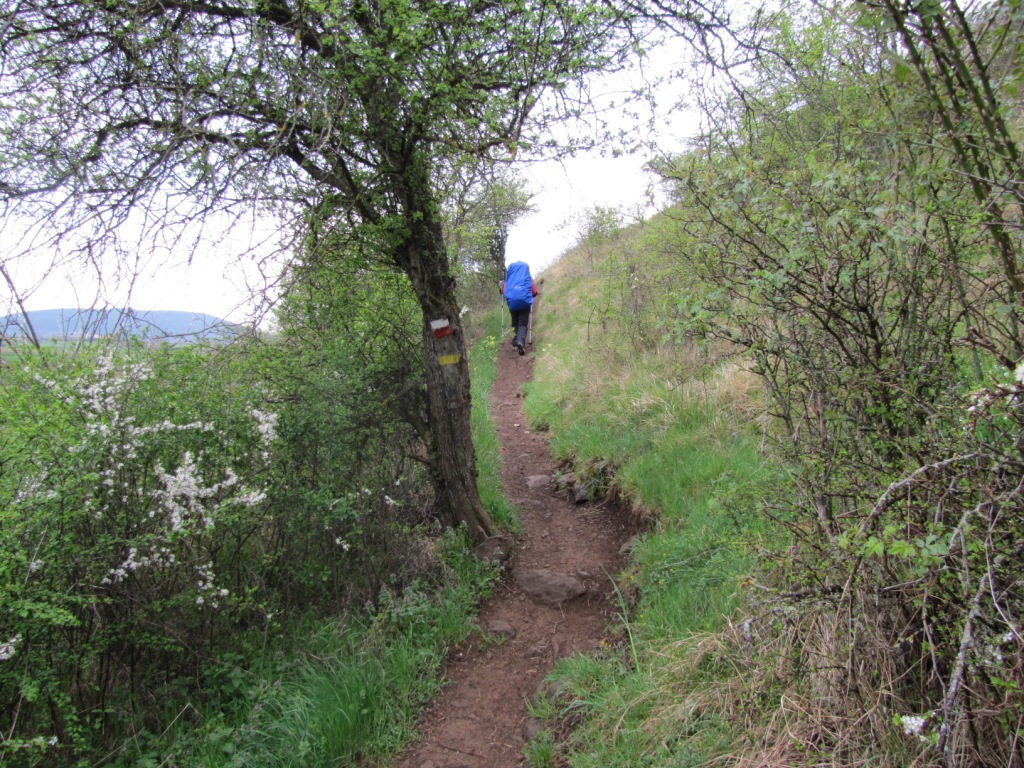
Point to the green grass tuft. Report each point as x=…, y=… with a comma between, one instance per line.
x=684, y=441
x=484, y=367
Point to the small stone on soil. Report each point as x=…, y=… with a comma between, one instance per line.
x=533, y=482
x=501, y=628
x=629, y=545
x=535, y=652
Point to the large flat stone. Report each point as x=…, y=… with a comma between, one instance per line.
x=548, y=587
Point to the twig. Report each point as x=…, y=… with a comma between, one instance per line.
x=883, y=501
x=461, y=751
x=956, y=679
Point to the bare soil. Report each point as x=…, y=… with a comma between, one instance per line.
x=482, y=720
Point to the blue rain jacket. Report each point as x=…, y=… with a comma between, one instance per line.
x=518, y=286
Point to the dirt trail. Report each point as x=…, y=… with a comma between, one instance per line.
x=481, y=720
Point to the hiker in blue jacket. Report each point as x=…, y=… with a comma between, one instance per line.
x=519, y=291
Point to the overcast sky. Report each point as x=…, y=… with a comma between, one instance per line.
x=218, y=283
x=565, y=191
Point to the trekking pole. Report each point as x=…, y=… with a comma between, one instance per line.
x=501, y=306
x=529, y=327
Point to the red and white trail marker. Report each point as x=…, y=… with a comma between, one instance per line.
x=441, y=328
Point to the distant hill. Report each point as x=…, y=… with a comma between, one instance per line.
x=155, y=325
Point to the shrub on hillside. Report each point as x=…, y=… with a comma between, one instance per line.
x=157, y=516
x=847, y=257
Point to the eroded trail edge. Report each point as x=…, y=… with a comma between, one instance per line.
x=537, y=615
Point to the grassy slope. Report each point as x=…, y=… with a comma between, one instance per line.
x=683, y=435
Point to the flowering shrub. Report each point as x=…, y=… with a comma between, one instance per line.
x=131, y=508
x=158, y=505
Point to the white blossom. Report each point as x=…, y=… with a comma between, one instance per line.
x=266, y=425
x=8, y=649
x=915, y=725
x=252, y=498
x=912, y=724
x=184, y=493
x=990, y=656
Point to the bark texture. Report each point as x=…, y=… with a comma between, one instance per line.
x=453, y=457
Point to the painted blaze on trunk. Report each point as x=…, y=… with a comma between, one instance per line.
x=452, y=455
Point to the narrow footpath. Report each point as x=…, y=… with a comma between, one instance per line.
x=555, y=600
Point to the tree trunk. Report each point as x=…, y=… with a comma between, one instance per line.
x=453, y=457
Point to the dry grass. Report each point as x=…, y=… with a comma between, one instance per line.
x=787, y=716
x=730, y=387
x=808, y=687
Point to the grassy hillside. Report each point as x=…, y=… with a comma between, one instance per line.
x=679, y=428
x=834, y=574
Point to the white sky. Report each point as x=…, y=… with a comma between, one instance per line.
x=218, y=283
x=564, y=191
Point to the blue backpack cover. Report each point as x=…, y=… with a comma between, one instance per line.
x=518, y=286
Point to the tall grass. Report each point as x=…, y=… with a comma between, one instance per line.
x=331, y=709
x=330, y=691
x=355, y=689
x=682, y=432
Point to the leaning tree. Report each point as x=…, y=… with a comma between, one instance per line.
x=346, y=109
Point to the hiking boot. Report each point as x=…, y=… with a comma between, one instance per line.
x=520, y=349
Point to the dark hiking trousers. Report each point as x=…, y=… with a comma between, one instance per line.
x=520, y=322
